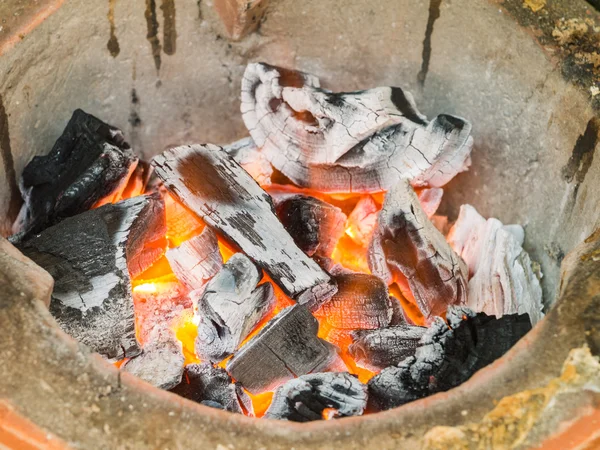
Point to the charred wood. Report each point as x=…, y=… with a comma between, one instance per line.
x=407, y=249
x=447, y=355
x=230, y=307
x=212, y=386
x=362, y=302
x=503, y=279
x=215, y=187
x=349, y=142
x=308, y=397
x=161, y=361
x=87, y=255
x=246, y=154
x=315, y=225
x=88, y=162
x=196, y=260
x=285, y=348
x=384, y=347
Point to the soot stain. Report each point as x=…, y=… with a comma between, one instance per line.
x=169, y=30
x=113, y=42
x=9, y=165
x=434, y=14
x=583, y=153
x=152, y=35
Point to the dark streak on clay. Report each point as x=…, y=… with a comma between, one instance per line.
x=434, y=14
x=169, y=31
x=134, y=116
x=152, y=36
x=200, y=10
x=583, y=154
x=9, y=169
x=113, y=42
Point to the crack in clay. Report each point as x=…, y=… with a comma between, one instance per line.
x=434, y=14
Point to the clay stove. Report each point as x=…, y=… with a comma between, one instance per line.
x=575, y=197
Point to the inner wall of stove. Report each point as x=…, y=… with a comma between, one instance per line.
x=183, y=86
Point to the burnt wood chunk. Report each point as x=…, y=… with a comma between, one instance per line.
x=196, y=260
x=87, y=257
x=408, y=250
x=88, y=162
x=248, y=155
x=315, y=396
x=349, y=142
x=212, y=185
x=315, y=225
x=161, y=361
x=230, y=307
x=285, y=348
x=377, y=349
x=503, y=279
x=361, y=302
x=212, y=386
x=448, y=355
x=362, y=220
x=430, y=199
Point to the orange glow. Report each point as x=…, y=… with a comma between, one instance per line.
x=186, y=331
x=146, y=288
x=260, y=402
x=351, y=255
x=225, y=250
x=329, y=413
x=160, y=271
x=410, y=309
x=182, y=224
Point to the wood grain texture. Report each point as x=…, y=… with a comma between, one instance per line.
x=212, y=185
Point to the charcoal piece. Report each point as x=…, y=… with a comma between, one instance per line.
x=88, y=162
x=503, y=279
x=182, y=224
x=161, y=361
x=213, y=186
x=430, y=199
x=398, y=315
x=212, y=386
x=315, y=225
x=349, y=142
x=448, y=355
x=230, y=307
x=309, y=397
x=196, y=260
x=362, y=220
x=361, y=302
x=285, y=348
x=246, y=154
x=408, y=250
x=377, y=349
x=87, y=257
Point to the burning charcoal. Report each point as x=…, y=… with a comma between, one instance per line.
x=377, y=349
x=315, y=225
x=138, y=181
x=196, y=260
x=230, y=307
x=212, y=386
x=252, y=160
x=285, y=348
x=161, y=361
x=398, y=315
x=362, y=221
x=408, y=250
x=361, y=302
x=182, y=225
x=90, y=161
x=430, y=199
x=88, y=257
x=214, y=186
x=502, y=278
x=310, y=397
x=349, y=142
x=448, y=355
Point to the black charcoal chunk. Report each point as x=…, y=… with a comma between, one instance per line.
x=448, y=355
x=310, y=397
x=89, y=161
x=212, y=386
x=377, y=349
